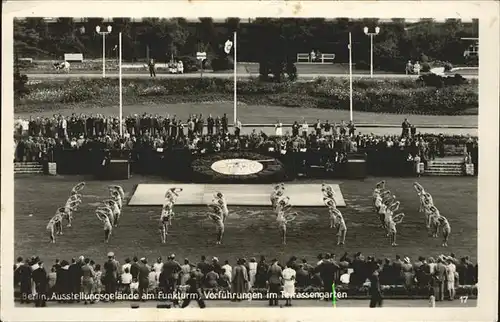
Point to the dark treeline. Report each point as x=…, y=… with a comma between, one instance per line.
x=161, y=39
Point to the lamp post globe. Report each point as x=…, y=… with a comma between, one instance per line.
x=365, y=29
x=98, y=29
x=377, y=30
x=110, y=28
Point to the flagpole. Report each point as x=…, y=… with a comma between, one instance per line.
x=235, y=81
x=120, y=81
x=350, y=77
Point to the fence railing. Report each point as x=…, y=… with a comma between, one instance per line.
x=322, y=58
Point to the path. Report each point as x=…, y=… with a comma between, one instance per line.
x=98, y=74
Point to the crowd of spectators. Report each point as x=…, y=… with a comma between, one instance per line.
x=37, y=139
x=435, y=276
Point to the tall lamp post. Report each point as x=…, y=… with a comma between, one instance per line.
x=371, y=34
x=103, y=33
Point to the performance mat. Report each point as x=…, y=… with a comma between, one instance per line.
x=301, y=195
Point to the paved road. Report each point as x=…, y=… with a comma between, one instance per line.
x=210, y=75
x=263, y=304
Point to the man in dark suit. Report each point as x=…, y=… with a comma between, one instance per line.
x=111, y=267
x=152, y=68
x=193, y=292
x=203, y=266
x=439, y=279
x=170, y=275
x=24, y=273
x=405, y=128
x=63, y=284
x=471, y=274
x=75, y=275
x=327, y=271
x=224, y=124
x=19, y=263
x=87, y=278
x=274, y=282
x=375, y=291
x=40, y=279
x=200, y=124
x=144, y=270
x=397, y=270
x=261, y=275
x=210, y=125
x=462, y=271
x=134, y=268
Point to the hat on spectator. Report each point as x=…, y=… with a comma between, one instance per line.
x=345, y=278
x=407, y=260
x=111, y=254
x=215, y=259
x=143, y=259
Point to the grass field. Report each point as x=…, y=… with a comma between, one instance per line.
x=249, y=231
x=252, y=114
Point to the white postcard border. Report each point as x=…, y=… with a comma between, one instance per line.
x=486, y=11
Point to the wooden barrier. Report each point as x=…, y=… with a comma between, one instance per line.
x=73, y=57
x=303, y=57
x=327, y=58
x=28, y=60
x=322, y=58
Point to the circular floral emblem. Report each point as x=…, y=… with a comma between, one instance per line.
x=237, y=167
x=242, y=167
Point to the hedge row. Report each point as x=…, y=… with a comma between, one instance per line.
x=402, y=96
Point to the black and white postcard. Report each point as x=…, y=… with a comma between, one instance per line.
x=249, y=160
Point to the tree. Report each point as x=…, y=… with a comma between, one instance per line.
x=207, y=34
x=29, y=35
x=278, y=39
x=177, y=35
x=20, y=80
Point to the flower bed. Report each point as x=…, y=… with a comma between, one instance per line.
x=402, y=96
x=273, y=170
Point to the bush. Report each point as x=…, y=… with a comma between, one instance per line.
x=291, y=71
x=426, y=67
x=441, y=81
x=362, y=65
x=20, y=85
x=222, y=63
x=471, y=61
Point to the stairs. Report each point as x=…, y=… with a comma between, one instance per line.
x=28, y=168
x=445, y=167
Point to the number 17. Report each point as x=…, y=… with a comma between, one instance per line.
x=463, y=299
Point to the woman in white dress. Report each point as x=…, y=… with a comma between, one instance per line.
x=252, y=265
x=279, y=128
x=289, y=276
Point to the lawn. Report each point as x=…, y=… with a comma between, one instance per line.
x=249, y=231
x=253, y=114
